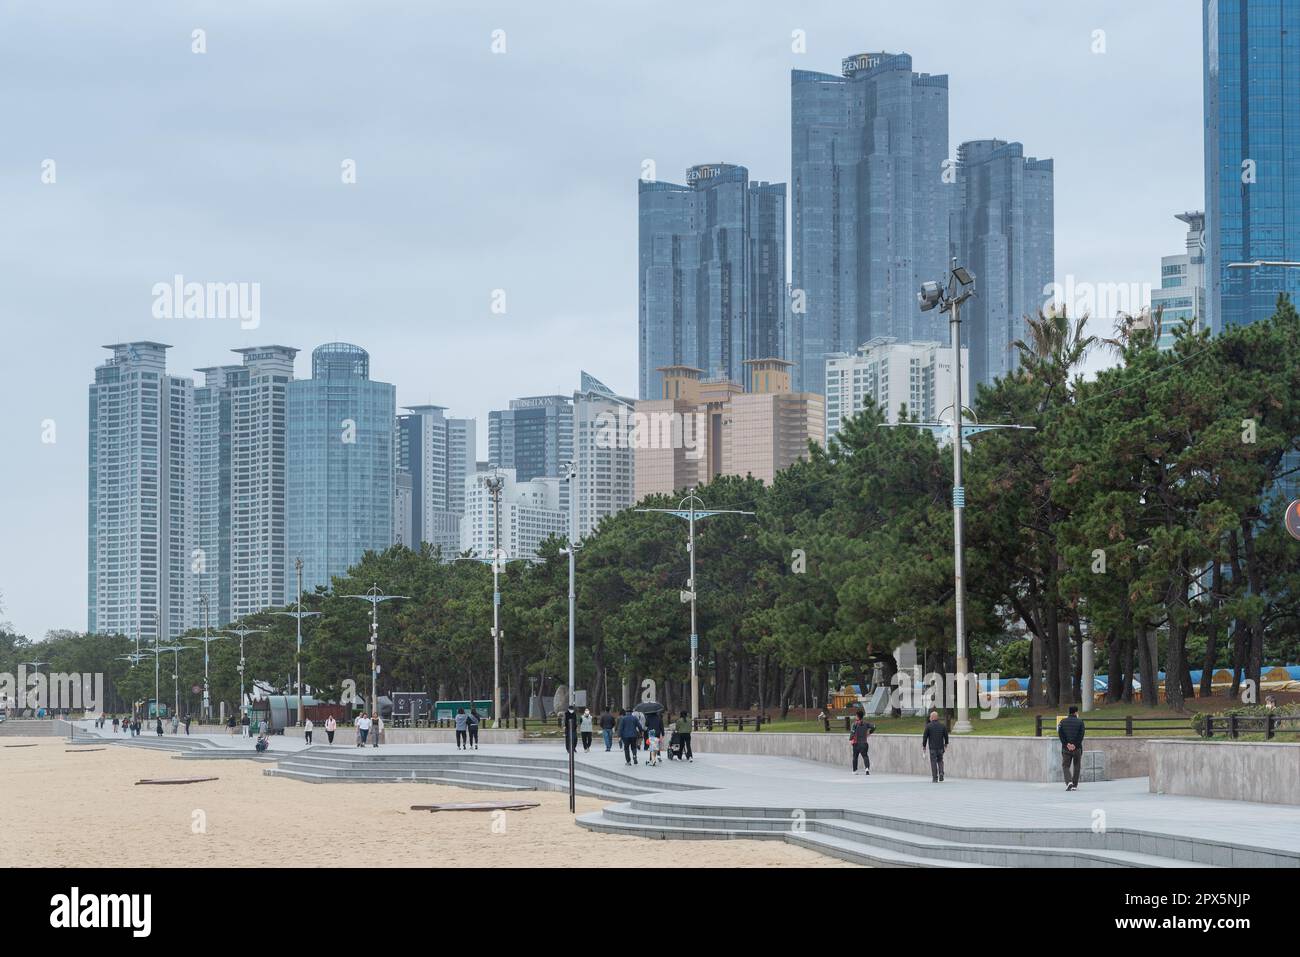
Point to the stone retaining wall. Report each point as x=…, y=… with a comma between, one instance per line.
x=1265, y=772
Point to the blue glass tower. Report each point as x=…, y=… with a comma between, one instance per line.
x=1003, y=233
x=870, y=206
x=1252, y=155
x=339, y=465
x=711, y=273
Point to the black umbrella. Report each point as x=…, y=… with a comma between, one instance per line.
x=649, y=707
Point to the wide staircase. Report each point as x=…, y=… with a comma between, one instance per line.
x=493, y=772
x=881, y=841
x=184, y=746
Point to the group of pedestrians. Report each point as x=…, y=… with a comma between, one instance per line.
x=934, y=741
x=128, y=725
x=638, y=731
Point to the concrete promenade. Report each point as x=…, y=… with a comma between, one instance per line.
x=1183, y=829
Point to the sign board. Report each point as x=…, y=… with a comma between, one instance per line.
x=1293, y=519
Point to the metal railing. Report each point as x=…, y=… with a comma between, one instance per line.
x=1128, y=724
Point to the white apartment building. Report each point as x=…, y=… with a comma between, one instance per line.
x=603, y=453
x=893, y=375
x=531, y=512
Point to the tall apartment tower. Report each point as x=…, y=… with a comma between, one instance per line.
x=531, y=512
x=603, y=453
x=1003, y=233
x=438, y=452
x=1181, y=296
x=870, y=205
x=139, y=518
x=711, y=272
x=1252, y=139
x=340, y=466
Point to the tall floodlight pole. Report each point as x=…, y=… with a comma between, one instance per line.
x=299, y=615
x=375, y=595
x=207, y=695
x=157, y=636
x=241, y=633
x=494, y=484
x=961, y=286
x=571, y=714
x=691, y=509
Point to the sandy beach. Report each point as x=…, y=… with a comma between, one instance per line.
x=85, y=810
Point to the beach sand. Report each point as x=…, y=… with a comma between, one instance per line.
x=85, y=810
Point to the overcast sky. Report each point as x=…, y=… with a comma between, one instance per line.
x=475, y=171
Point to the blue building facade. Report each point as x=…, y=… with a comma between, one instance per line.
x=870, y=206
x=339, y=465
x=711, y=273
x=1252, y=155
x=1003, y=232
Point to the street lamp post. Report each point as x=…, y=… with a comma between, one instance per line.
x=494, y=485
x=687, y=509
x=374, y=595
x=299, y=615
x=571, y=714
x=241, y=633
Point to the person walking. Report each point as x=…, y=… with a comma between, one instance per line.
x=115, y=724
x=607, y=728
x=245, y=724
x=684, y=737
x=462, y=730
x=654, y=728
x=176, y=724
x=629, y=732
x=377, y=725
x=230, y=723
x=307, y=728
x=584, y=727
x=859, y=738
x=330, y=727
x=363, y=729
x=159, y=728
x=472, y=721
x=935, y=739
x=187, y=724
x=1070, y=731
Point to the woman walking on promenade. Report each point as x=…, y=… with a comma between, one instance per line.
x=330, y=726
x=472, y=722
x=307, y=728
x=462, y=728
x=585, y=728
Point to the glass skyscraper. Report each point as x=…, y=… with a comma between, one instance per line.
x=870, y=204
x=1252, y=155
x=340, y=466
x=711, y=273
x=1003, y=233
x=534, y=436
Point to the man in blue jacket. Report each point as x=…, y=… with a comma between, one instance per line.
x=629, y=732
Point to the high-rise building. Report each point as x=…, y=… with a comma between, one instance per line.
x=403, y=509
x=531, y=512
x=1003, y=233
x=893, y=375
x=603, y=455
x=534, y=436
x=1252, y=141
x=340, y=465
x=702, y=428
x=711, y=272
x=139, y=519
x=1181, y=296
x=870, y=205
x=238, y=487
x=438, y=452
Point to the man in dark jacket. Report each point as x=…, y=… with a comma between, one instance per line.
x=1070, y=731
x=935, y=739
x=859, y=739
x=607, y=728
x=629, y=732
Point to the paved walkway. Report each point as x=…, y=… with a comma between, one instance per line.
x=751, y=781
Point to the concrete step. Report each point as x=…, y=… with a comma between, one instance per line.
x=450, y=780
x=858, y=854
x=914, y=845
x=498, y=774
